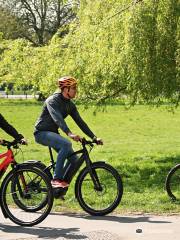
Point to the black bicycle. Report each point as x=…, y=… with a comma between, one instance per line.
x=26, y=195
x=172, y=183
x=98, y=187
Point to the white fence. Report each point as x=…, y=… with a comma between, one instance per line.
x=13, y=96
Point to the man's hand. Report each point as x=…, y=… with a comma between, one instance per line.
x=24, y=141
x=98, y=141
x=75, y=137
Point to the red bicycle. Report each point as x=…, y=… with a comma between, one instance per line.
x=26, y=195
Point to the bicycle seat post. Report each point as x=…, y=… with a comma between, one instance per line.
x=51, y=156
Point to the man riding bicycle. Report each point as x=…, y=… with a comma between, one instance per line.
x=9, y=129
x=56, y=108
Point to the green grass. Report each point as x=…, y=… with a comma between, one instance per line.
x=142, y=143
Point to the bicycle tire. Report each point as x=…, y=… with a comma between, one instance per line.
x=18, y=215
x=172, y=183
x=114, y=192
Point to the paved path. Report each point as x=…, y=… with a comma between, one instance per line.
x=61, y=226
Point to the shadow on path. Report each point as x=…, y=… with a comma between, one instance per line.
x=44, y=232
x=73, y=233
x=119, y=219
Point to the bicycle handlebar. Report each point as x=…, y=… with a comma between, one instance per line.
x=88, y=142
x=13, y=144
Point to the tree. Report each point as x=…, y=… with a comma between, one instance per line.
x=10, y=25
x=41, y=18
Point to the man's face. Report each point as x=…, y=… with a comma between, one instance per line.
x=72, y=91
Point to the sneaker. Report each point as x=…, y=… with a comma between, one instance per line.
x=56, y=183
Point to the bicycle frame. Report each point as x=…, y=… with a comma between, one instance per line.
x=83, y=158
x=9, y=159
x=84, y=151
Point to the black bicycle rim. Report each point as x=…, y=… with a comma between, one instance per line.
x=101, y=202
x=173, y=183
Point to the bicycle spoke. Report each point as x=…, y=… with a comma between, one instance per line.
x=32, y=194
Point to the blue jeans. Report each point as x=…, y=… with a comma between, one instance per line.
x=61, y=145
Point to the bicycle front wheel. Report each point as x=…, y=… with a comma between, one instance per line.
x=23, y=190
x=104, y=199
x=173, y=183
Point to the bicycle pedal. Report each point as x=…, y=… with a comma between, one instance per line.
x=59, y=192
x=59, y=196
x=62, y=198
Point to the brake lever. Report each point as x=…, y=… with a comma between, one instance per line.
x=5, y=143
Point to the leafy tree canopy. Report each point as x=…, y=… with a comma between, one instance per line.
x=115, y=49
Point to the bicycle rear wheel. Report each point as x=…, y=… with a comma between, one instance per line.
x=24, y=190
x=172, y=183
x=103, y=200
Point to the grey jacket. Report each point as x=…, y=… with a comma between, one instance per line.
x=56, y=108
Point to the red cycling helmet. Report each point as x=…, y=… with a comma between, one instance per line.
x=66, y=81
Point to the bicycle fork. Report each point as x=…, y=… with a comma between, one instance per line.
x=94, y=176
